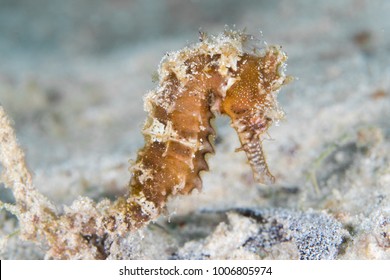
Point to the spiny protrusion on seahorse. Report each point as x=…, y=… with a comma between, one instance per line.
x=218, y=75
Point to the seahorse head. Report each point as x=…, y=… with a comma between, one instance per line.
x=251, y=103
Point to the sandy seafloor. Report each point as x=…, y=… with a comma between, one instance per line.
x=72, y=78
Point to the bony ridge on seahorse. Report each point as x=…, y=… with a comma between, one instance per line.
x=218, y=75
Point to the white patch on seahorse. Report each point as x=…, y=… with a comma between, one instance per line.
x=225, y=87
x=147, y=207
x=148, y=101
x=145, y=175
x=158, y=132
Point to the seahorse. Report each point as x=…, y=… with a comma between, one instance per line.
x=218, y=75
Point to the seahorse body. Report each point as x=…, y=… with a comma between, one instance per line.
x=215, y=76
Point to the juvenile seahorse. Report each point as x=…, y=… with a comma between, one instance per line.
x=215, y=76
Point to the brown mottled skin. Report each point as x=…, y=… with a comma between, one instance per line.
x=171, y=166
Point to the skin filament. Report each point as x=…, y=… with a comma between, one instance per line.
x=216, y=76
